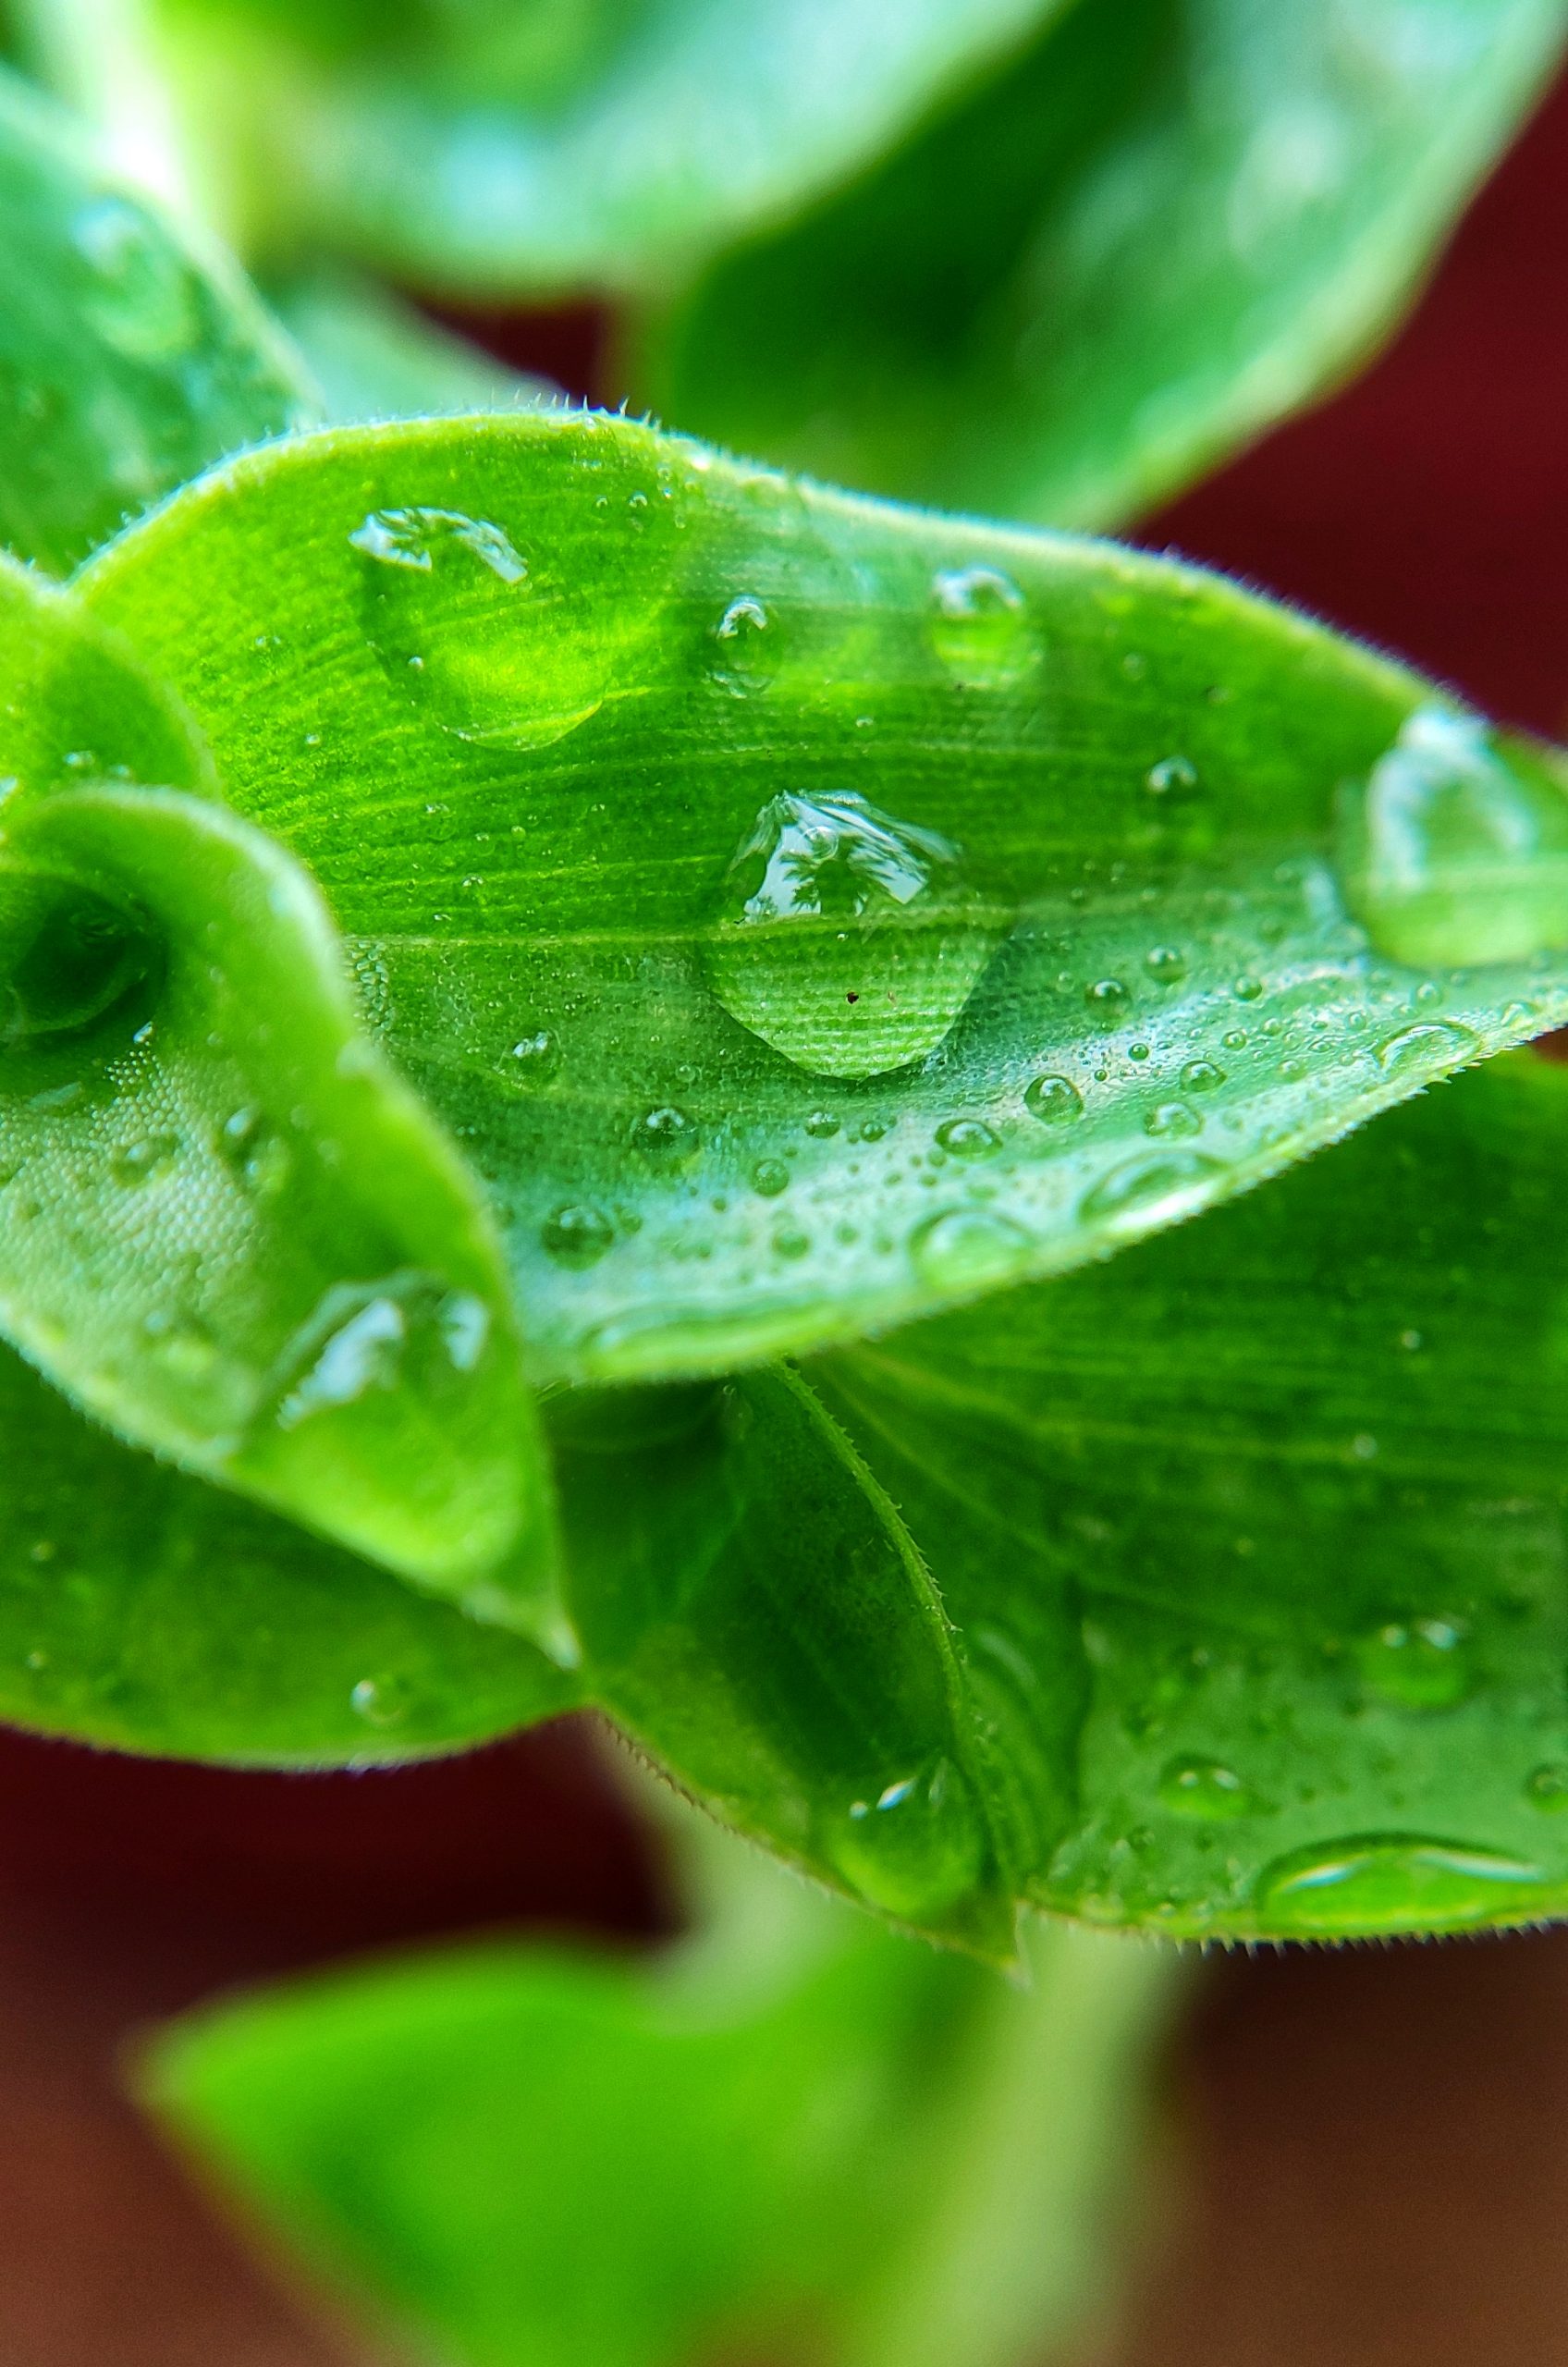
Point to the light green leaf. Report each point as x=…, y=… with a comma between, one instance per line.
x=808, y=913
x=523, y=2159
x=143, y=1610
x=1167, y=225
x=1261, y=1533
x=375, y=357
x=131, y=354
x=507, y=151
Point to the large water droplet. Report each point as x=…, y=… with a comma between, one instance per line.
x=1206, y=1789
x=577, y=1236
x=847, y=939
x=1419, y=1664
x=469, y=636
x=914, y=1846
x=968, y=1138
x=72, y=966
x=967, y=1248
x=980, y=627
x=1383, y=1883
x=407, y=1328
x=1428, y=1040
x=746, y=652
x=1055, y=1100
x=1453, y=853
x=1140, y=1185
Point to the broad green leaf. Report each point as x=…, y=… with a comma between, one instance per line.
x=807, y=914
x=375, y=357
x=526, y=2159
x=1262, y=1533
x=143, y=1610
x=1165, y=225
x=504, y=151
x=131, y=355
x=752, y=1610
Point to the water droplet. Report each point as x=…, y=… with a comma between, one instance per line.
x=533, y=1059
x=980, y=627
x=668, y=1135
x=1386, y=1883
x=256, y=1151
x=967, y=1248
x=1204, y=1788
x=847, y=939
x=968, y=1137
x=791, y=1242
x=183, y=1345
x=1172, y=1119
x=382, y=1700
x=143, y=296
x=822, y=1124
x=143, y=1161
x=1174, y=778
x=1547, y=1787
x=71, y=964
x=1138, y=1186
x=1166, y=964
x=1455, y=852
x=1246, y=988
x=1201, y=1077
x=1416, y=1664
x=913, y=1848
x=747, y=658
x=468, y=635
x=1108, y=997
x=1055, y=1100
x=407, y=1328
x=577, y=1236
x=770, y=1176
x=1430, y=1039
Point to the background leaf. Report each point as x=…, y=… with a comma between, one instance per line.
x=131, y=353
x=1164, y=225
x=375, y=357
x=807, y=914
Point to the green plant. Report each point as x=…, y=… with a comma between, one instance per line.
x=581, y=1021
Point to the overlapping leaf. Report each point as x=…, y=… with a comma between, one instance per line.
x=807, y=914
x=1165, y=225
x=131, y=355
x=513, y=151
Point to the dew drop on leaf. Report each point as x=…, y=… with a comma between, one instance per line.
x=1416, y=1664
x=256, y=1152
x=1388, y=1882
x=1166, y=964
x=914, y=1847
x=668, y=1134
x=533, y=1059
x=847, y=939
x=1106, y=995
x=382, y=1700
x=1055, y=1100
x=1173, y=779
x=577, y=1236
x=1201, y=1077
x=770, y=1176
x=406, y=1329
x=1139, y=1185
x=1547, y=1787
x=144, y=1159
x=745, y=648
x=1452, y=853
x=1206, y=1789
x=1172, y=1119
x=980, y=627
x=967, y=1248
x=1430, y=1039
x=968, y=1137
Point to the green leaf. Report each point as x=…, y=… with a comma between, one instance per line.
x=375, y=357
x=1261, y=1533
x=143, y=1610
x=131, y=354
x=507, y=151
x=515, y=2156
x=808, y=913
x=1167, y=224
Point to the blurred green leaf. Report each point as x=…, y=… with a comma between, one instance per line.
x=131, y=354
x=807, y=914
x=1162, y=228
x=524, y=2157
x=375, y=357
x=144, y=1610
x=505, y=151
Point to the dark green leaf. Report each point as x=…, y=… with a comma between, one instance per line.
x=767, y=2144
x=505, y=150
x=807, y=914
x=131, y=355
x=143, y=1610
x=1167, y=224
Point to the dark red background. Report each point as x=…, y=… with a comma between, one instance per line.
x=1372, y=2145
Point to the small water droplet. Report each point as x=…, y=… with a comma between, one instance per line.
x=576, y=1235
x=1429, y=1040
x=1456, y=850
x=382, y=1700
x=822, y=1124
x=1055, y=1100
x=966, y=1248
x=1172, y=1119
x=980, y=627
x=747, y=658
x=535, y=1057
x=1416, y=1664
x=1201, y=1077
x=1140, y=1185
x=1386, y=1883
x=256, y=1152
x=366, y=1338
x=1166, y=964
x=968, y=1137
x=146, y=1160
x=847, y=939
x=914, y=1846
x=668, y=1134
x=1108, y=997
x=1174, y=780
x=1547, y=1787
x=1205, y=1788
x=770, y=1176
x=791, y=1242
x=1246, y=988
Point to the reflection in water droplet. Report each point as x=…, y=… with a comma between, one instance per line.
x=1201, y=1077
x=1172, y=1119
x=847, y=939
x=913, y=1848
x=968, y=1137
x=1453, y=852
x=1430, y=1039
x=1055, y=1100
x=1204, y=1788
x=966, y=1248
x=466, y=634
x=577, y=1236
x=1547, y=1787
x=1417, y=1663
x=1385, y=1882
x=746, y=659
x=1140, y=1185
x=770, y=1176
x=980, y=627
x=1174, y=778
